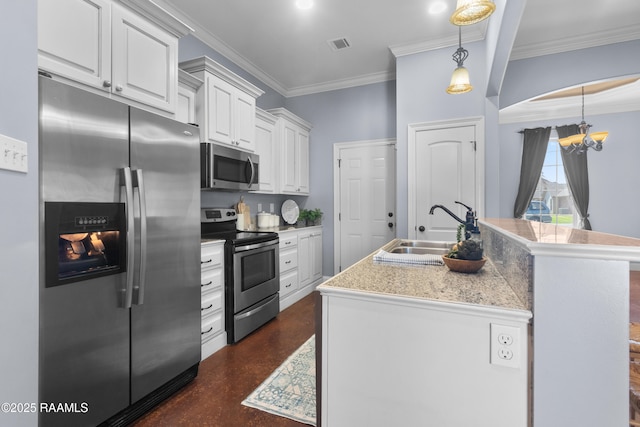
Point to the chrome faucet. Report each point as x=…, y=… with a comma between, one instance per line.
x=469, y=222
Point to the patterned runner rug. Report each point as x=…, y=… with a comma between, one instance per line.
x=290, y=391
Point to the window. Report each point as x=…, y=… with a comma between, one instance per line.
x=552, y=201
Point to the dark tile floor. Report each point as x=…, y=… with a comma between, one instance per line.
x=227, y=377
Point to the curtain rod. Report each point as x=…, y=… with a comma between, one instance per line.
x=552, y=128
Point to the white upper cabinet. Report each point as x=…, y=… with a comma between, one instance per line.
x=267, y=148
x=226, y=104
x=188, y=86
x=125, y=52
x=293, y=139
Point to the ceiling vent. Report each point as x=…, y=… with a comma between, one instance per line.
x=339, y=44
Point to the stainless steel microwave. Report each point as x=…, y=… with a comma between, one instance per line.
x=226, y=168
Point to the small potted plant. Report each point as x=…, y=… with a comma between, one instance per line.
x=314, y=217
x=466, y=256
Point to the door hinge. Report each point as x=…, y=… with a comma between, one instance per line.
x=339, y=162
x=339, y=216
x=474, y=145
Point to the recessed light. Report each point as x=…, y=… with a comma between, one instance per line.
x=304, y=4
x=436, y=7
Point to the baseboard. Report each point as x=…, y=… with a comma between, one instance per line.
x=213, y=345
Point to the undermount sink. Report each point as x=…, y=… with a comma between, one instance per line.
x=422, y=247
x=418, y=250
x=426, y=244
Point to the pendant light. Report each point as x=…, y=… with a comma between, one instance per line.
x=471, y=11
x=460, y=77
x=582, y=141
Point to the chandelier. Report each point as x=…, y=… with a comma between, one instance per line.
x=460, y=78
x=584, y=139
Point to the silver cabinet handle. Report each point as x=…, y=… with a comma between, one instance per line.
x=119, y=88
x=106, y=83
x=139, y=182
x=125, y=181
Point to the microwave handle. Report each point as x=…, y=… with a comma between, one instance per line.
x=253, y=171
x=126, y=182
x=139, y=182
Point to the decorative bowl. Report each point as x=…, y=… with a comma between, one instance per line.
x=464, y=265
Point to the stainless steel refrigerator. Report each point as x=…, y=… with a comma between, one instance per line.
x=119, y=257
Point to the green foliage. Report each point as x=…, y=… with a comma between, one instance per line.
x=310, y=215
x=467, y=249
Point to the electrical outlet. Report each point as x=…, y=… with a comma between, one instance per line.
x=505, y=346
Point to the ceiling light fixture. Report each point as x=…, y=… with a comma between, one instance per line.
x=460, y=77
x=471, y=11
x=582, y=141
x=304, y=4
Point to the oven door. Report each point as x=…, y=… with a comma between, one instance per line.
x=256, y=273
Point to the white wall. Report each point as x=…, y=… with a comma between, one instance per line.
x=19, y=213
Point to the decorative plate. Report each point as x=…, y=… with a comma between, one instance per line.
x=290, y=211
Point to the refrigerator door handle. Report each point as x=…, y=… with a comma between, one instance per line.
x=126, y=182
x=139, y=182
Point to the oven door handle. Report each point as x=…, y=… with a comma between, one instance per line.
x=138, y=181
x=126, y=182
x=255, y=246
x=257, y=310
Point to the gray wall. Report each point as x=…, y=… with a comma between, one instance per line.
x=19, y=213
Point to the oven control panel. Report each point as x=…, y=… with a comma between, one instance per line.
x=217, y=214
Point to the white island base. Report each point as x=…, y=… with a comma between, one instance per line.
x=398, y=361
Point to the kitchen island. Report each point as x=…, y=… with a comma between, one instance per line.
x=420, y=345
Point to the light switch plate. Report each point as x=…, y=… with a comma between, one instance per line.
x=13, y=154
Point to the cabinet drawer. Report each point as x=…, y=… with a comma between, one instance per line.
x=211, y=326
x=288, y=260
x=288, y=283
x=211, y=255
x=211, y=279
x=211, y=302
x=288, y=241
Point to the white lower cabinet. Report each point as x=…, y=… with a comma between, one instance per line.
x=214, y=336
x=300, y=263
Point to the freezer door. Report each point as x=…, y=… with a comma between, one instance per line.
x=165, y=316
x=84, y=329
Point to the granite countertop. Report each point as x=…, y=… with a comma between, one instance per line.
x=431, y=282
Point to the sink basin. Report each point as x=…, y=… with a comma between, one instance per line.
x=418, y=250
x=426, y=244
x=421, y=247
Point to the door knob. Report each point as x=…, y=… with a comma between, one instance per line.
x=421, y=228
x=390, y=225
x=390, y=214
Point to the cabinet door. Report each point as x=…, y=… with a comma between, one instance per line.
x=288, y=156
x=74, y=40
x=304, y=258
x=302, y=162
x=220, y=107
x=244, y=121
x=316, y=256
x=266, y=148
x=145, y=60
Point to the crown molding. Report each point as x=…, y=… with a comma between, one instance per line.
x=469, y=35
x=565, y=44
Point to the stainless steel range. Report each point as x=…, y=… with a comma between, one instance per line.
x=252, y=272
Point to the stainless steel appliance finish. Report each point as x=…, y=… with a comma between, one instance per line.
x=226, y=168
x=252, y=273
x=119, y=342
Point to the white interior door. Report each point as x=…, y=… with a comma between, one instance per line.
x=365, y=199
x=444, y=169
